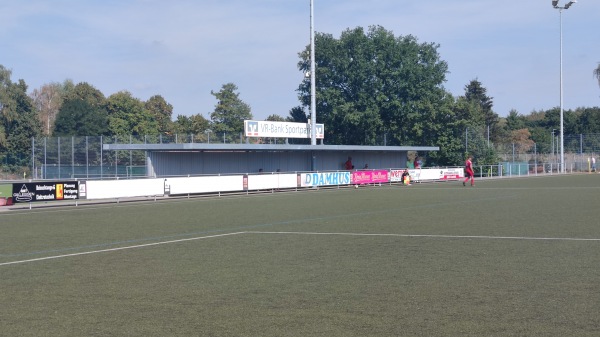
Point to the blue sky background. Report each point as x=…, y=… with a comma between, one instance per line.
x=184, y=49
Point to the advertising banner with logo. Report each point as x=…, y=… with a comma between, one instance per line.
x=429, y=174
x=45, y=191
x=396, y=175
x=370, y=177
x=282, y=129
x=325, y=179
x=452, y=173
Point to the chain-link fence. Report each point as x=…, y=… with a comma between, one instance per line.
x=84, y=158
x=578, y=153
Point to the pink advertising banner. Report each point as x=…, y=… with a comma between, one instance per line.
x=371, y=176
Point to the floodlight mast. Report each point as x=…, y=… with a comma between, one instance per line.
x=562, y=133
x=570, y=4
x=313, y=104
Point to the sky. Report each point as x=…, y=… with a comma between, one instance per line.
x=184, y=49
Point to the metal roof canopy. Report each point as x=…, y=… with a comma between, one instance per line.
x=262, y=147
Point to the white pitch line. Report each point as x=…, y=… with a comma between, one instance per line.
x=489, y=237
x=118, y=248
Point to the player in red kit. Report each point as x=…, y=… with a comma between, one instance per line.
x=469, y=171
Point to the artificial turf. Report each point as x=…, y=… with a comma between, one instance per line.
x=508, y=257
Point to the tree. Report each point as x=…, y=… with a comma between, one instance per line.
x=297, y=115
x=77, y=117
x=484, y=116
x=127, y=115
x=192, y=125
x=475, y=92
x=82, y=113
x=48, y=100
x=275, y=118
x=481, y=128
x=162, y=112
x=25, y=127
x=515, y=121
x=589, y=120
x=230, y=111
x=449, y=132
x=18, y=122
x=597, y=73
x=6, y=105
x=371, y=83
x=522, y=140
x=86, y=92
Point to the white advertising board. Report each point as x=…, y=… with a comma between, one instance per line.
x=107, y=189
x=269, y=181
x=426, y=174
x=207, y=184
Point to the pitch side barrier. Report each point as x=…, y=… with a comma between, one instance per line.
x=217, y=184
x=213, y=184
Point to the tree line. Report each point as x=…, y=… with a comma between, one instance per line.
x=372, y=88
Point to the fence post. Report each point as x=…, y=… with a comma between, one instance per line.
x=44, y=176
x=58, y=143
x=87, y=159
x=535, y=158
x=116, y=160
x=101, y=159
x=131, y=154
x=33, y=171
x=72, y=157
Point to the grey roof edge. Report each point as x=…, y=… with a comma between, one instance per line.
x=259, y=147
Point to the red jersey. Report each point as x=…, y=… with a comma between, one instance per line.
x=469, y=167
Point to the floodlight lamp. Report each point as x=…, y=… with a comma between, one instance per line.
x=570, y=4
x=555, y=3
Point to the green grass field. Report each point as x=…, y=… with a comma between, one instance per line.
x=511, y=257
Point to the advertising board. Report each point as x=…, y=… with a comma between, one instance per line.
x=282, y=129
x=452, y=173
x=325, y=179
x=370, y=177
x=45, y=191
x=428, y=174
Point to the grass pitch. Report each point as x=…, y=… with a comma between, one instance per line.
x=512, y=257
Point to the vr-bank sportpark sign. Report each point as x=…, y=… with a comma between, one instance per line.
x=282, y=129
